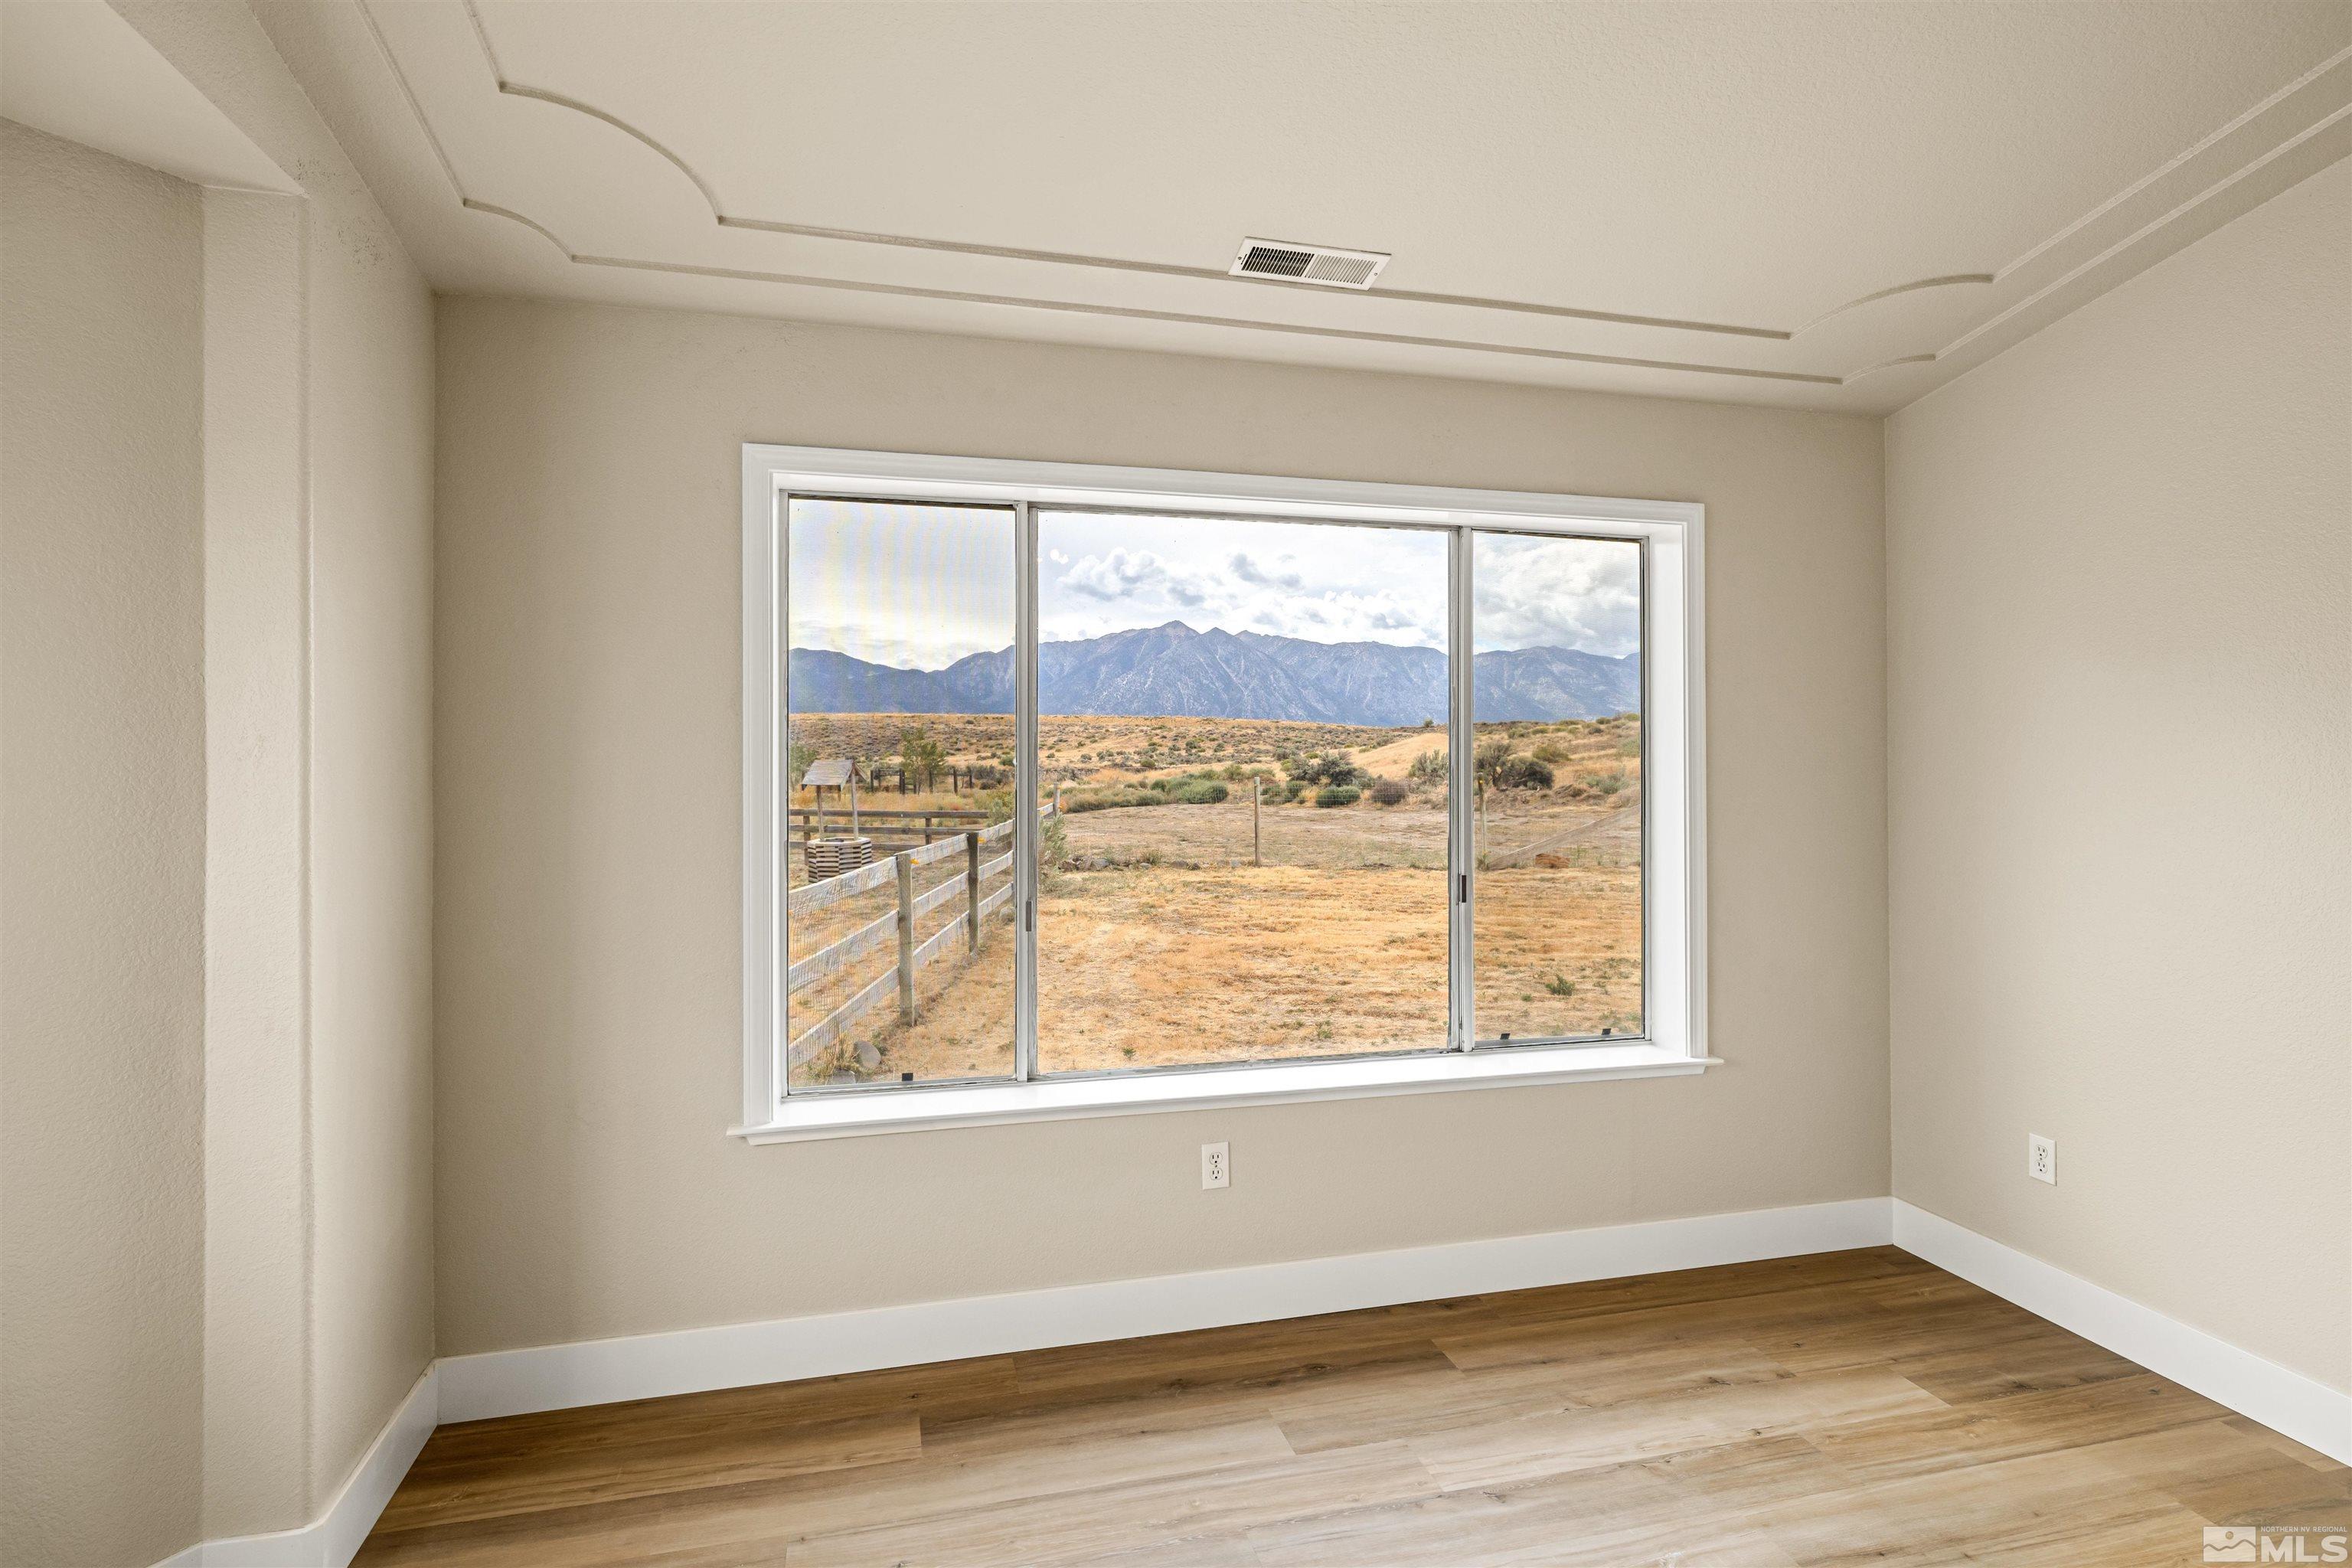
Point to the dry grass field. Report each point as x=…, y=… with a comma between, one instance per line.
x=1161, y=942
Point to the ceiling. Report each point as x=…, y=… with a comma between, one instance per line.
x=78, y=70
x=1827, y=206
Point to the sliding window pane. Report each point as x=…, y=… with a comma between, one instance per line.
x=899, y=683
x=1556, y=679
x=1245, y=722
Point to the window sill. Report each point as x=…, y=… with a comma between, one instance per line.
x=995, y=1104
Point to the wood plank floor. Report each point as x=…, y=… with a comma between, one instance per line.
x=1849, y=1408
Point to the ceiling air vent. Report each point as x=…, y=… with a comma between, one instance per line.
x=1308, y=264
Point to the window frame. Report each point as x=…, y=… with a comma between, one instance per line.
x=1673, y=901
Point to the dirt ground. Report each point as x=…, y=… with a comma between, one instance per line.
x=1171, y=947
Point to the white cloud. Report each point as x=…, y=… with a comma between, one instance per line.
x=921, y=587
x=1134, y=577
x=1533, y=592
x=1316, y=581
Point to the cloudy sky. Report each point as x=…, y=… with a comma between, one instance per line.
x=920, y=587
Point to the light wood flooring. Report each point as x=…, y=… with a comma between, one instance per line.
x=1848, y=1407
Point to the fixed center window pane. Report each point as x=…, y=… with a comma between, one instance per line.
x=1556, y=681
x=899, y=766
x=1245, y=725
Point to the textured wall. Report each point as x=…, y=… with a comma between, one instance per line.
x=587, y=768
x=101, y=857
x=371, y=435
x=2119, y=565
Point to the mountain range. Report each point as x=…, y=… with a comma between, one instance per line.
x=1174, y=671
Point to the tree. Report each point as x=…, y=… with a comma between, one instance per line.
x=922, y=758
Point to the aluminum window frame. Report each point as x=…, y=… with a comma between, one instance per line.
x=1674, y=1033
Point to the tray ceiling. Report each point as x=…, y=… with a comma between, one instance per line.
x=1836, y=206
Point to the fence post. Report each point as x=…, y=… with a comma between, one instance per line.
x=905, y=935
x=1258, y=792
x=972, y=890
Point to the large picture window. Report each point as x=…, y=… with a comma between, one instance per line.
x=1108, y=778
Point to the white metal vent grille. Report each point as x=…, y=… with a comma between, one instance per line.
x=1320, y=264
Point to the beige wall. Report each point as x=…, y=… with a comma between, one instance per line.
x=2119, y=563
x=371, y=490
x=101, y=857
x=587, y=943
x=309, y=470
x=364, y=449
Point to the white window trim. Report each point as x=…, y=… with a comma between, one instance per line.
x=1673, y=769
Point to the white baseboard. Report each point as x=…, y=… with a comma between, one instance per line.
x=2309, y=1412
x=333, y=1539
x=643, y=1366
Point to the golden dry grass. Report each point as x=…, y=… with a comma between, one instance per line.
x=1171, y=948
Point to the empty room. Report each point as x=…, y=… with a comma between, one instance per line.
x=1182, y=783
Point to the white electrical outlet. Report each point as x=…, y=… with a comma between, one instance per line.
x=2041, y=1158
x=1216, y=1166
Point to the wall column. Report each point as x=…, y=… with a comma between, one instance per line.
x=257, y=892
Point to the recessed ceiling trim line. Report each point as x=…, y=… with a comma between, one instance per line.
x=1053, y=257
x=1187, y=318
x=2169, y=164
x=711, y=200
x=2153, y=225
x=1067, y=307
x=471, y=205
x=541, y=94
x=1466, y=301
x=408, y=96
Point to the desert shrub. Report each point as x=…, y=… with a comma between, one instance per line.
x=1560, y=986
x=1338, y=795
x=1053, y=844
x=1490, y=756
x=1524, y=773
x=1630, y=746
x=1197, y=792
x=1389, y=791
x=1427, y=768
x=1608, y=783
x=1552, y=752
x=1331, y=768
x=1113, y=798
x=1291, y=790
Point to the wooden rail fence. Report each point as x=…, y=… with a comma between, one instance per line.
x=899, y=923
x=799, y=822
